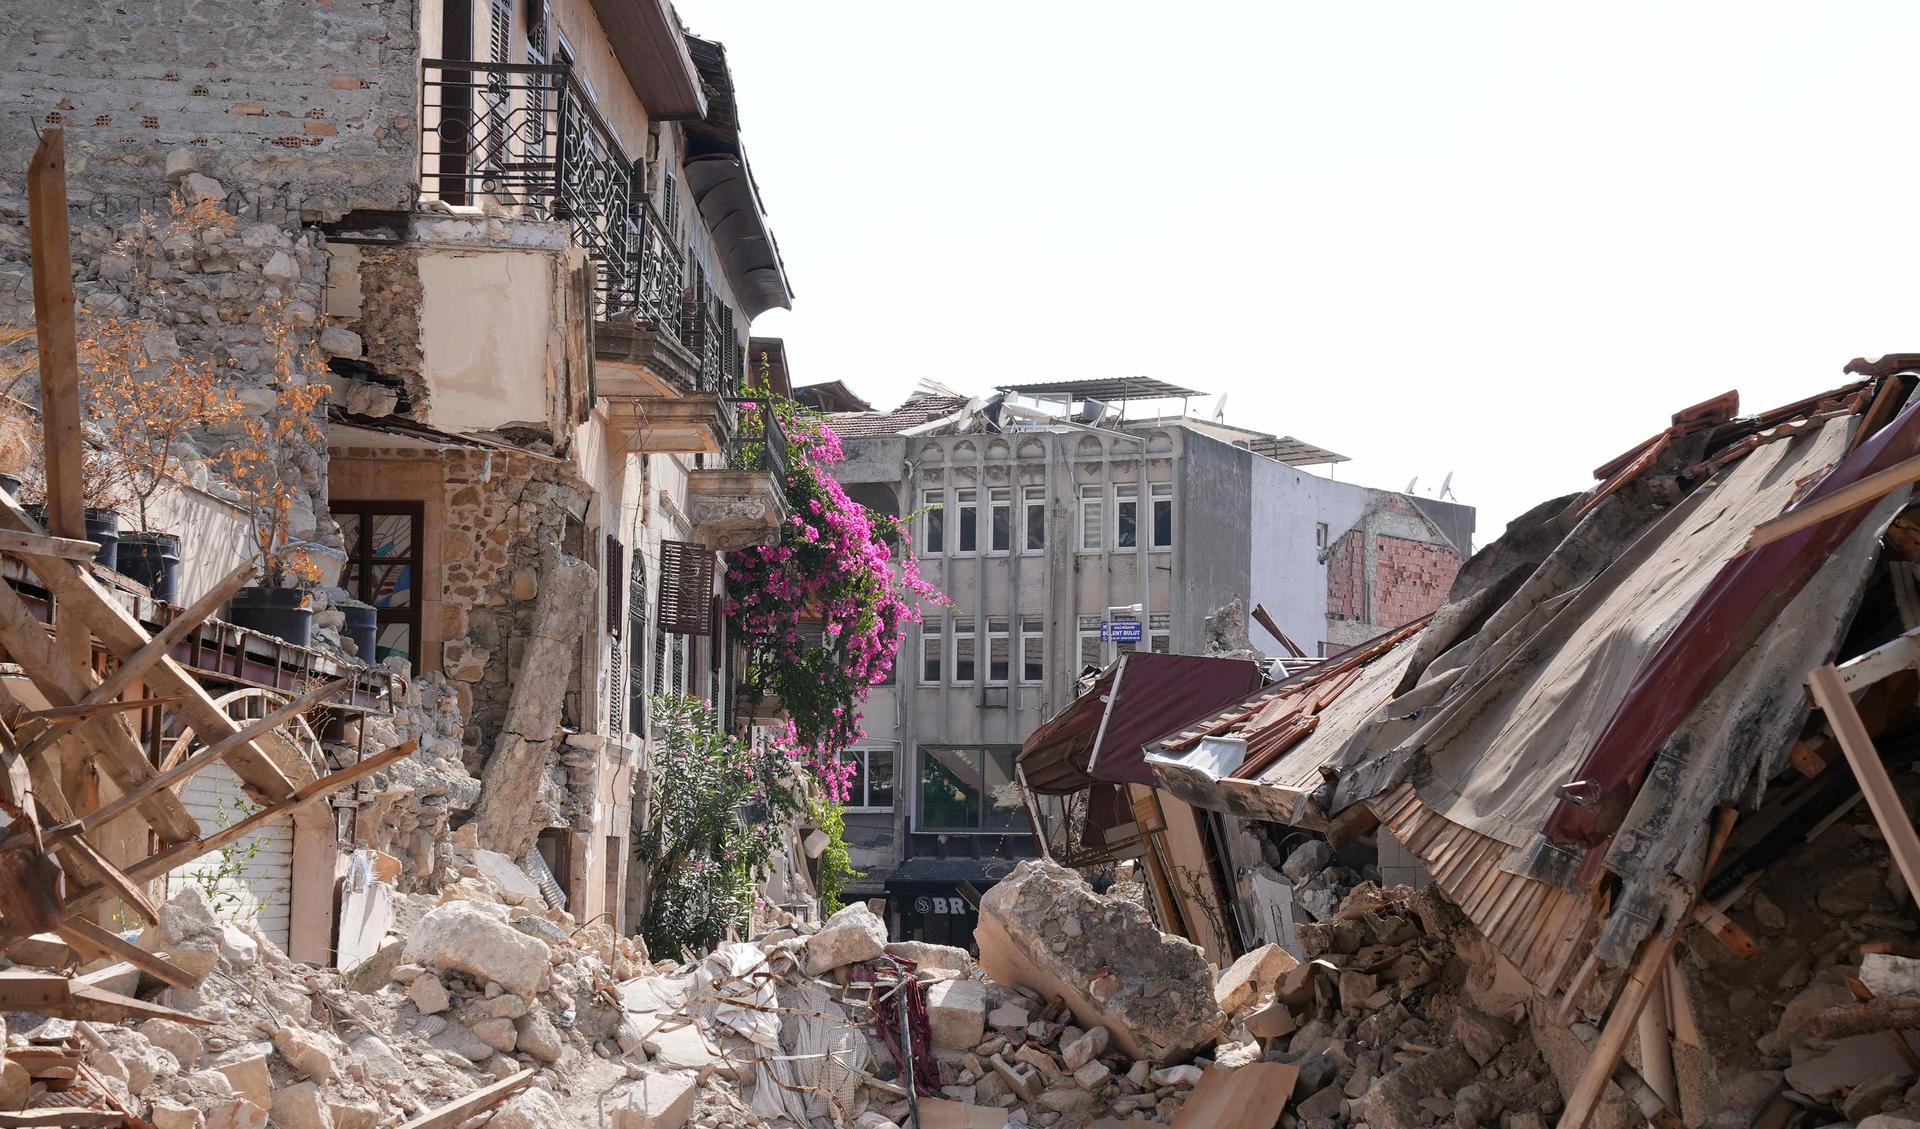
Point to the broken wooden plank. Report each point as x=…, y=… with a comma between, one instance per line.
x=1830, y=694
x=1250, y=1097
x=458, y=1110
x=62, y=1118
x=32, y=892
x=1850, y=497
x=1897, y=654
x=79, y=931
x=85, y=1002
x=187, y=767
x=1642, y=981
x=1726, y=930
x=27, y=990
x=153, y=866
x=78, y=593
x=64, y=682
x=47, y=545
x=111, y=875
x=1644, y=1097
x=53, y=318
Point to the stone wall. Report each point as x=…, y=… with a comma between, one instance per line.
x=301, y=107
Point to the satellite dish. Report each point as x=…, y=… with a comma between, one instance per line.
x=1220, y=409
x=1411, y=483
x=1446, y=487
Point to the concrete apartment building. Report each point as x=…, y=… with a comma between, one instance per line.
x=523, y=239
x=1042, y=512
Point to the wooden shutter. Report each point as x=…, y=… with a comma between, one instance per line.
x=686, y=588
x=499, y=31
x=615, y=563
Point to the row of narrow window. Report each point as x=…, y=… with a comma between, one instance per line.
x=958, y=662
x=1092, y=532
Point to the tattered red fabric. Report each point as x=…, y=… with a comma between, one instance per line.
x=926, y=1072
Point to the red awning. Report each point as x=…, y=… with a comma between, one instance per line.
x=1101, y=735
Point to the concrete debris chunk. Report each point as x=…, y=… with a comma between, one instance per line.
x=1887, y=975
x=1394, y=1102
x=1163, y=1006
x=1252, y=976
x=505, y=874
x=300, y=1106
x=851, y=936
x=1483, y=1035
x=957, y=1014
x=1085, y=1047
x=658, y=1101
x=460, y=936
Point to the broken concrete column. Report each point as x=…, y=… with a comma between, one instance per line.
x=1154, y=993
x=505, y=820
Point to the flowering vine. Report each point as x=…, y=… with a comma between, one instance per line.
x=836, y=566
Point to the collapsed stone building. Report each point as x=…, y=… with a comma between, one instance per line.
x=521, y=245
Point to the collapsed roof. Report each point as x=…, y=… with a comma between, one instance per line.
x=1616, y=667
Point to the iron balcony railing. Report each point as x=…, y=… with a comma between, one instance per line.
x=527, y=136
x=760, y=443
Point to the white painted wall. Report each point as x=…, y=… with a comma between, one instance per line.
x=1287, y=575
x=261, y=894
x=485, y=317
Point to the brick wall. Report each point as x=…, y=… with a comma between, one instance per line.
x=1347, y=577
x=1410, y=578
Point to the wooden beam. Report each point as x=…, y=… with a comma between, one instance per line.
x=133, y=669
x=78, y=593
x=129, y=891
x=1643, y=979
x=1830, y=694
x=46, y=545
x=1888, y=659
x=62, y=1118
x=153, y=866
x=87, y=1002
x=64, y=682
x=53, y=318
x=1726, y=929
x=80, y=931
x=196, y=762
x=1265, y=619
x=1850, y=497
x=458, y=1110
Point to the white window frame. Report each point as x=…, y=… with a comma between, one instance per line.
x=999, y=501
x=1033, y=498
x=866, y=753
x=1126, y=494
x=933, y=642
x=1320, y=535
x=963, y=627
x=1088, y=630
x=1159, y=492
x=932, y=502
x=999, y=630
x=966, y=502
x=1033, y=628
x=1092, y=523
x=1160, y=633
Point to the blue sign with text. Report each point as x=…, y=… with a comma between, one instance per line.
x=1120, y=631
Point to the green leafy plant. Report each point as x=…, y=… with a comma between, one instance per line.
x=718, y=804
x=836, y=866
x=223, y=877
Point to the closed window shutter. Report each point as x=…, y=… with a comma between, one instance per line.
x=616, y=578
x=686, y=588
x=499, y=31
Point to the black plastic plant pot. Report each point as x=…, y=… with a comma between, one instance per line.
x=280, y=612
x=152, y=559
x=362, y=626
x=103, y=529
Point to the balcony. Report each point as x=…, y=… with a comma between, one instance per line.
x=744, y=503
x=527, y=140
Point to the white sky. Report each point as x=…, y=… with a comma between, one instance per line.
x=1504, y=240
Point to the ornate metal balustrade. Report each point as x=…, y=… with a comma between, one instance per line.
x=662, y=275
x=527, y=136
x=761, y=445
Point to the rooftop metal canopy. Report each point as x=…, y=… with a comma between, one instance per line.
x=1293, y=452
x=1115, y=388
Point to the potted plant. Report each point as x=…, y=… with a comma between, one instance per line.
x=140, y=410
x=263, y=467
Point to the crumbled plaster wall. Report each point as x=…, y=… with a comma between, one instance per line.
x=409, y=805
x=388, y=321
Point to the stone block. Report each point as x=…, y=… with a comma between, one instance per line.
x=658, y=1101
x=853, y=935
x=957, y=1013
x=463, y=937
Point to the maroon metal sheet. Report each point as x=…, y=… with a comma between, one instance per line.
x=1103, y=734
x=1733, y=611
